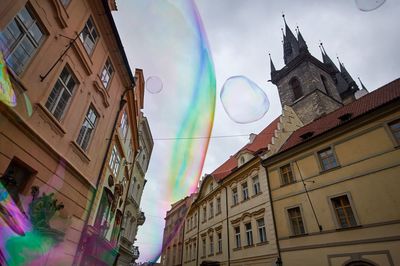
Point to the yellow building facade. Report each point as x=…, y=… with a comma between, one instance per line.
x=334, y=186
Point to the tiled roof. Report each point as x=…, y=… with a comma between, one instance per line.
x=259, y=143
x=369, y=102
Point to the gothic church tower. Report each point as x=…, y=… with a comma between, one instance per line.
x=311, y=87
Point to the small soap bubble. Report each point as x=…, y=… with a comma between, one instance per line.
x=154, y=84
x=369, y=5
x=243, y=100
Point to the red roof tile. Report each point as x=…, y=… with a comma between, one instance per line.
x=259, y=143
x=369, y=102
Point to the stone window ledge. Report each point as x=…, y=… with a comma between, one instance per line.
x=263, y=243
x=238, y=248
x=80, y=152
x=255, y=195
x=51, y=120
x=248, y=246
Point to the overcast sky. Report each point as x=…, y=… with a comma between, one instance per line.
x=240, y=34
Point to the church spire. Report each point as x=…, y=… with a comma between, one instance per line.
x=272, y=66
x=362, y=85
x=326, y=59
x=301, y=41
x=290, y=44
x=345, y=73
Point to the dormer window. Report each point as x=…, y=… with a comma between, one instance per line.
x=307, y=135
x=242, y=160
x=295, y=86
x=345, y=117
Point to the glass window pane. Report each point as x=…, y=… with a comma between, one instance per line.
x=36, y=33
x=25, y=17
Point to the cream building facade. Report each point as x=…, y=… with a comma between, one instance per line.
x=230, y=222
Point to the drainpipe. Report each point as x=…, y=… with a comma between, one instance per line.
x=227, y=225
x=198, y=236
x=122, y=102
x=273, y=215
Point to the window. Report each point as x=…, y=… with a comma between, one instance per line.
x=343, y=211
x=124, y=125
x=107, y=73
x=87, y=128
x=295, y=86
x=237, y=237
x=245, y=191
x=296, y=221
x=249, y=234
x=211, y=210
x=286, y=174
x=89, y=36
x=327, y=159
x=204, y=214
x=256, y=185
x=15, y=180
x=190, y=252
x=186, y=252
x=65, y=2
x=115, y=160
x=211, y=245
x=61, y=93
x=235, y=196
x=195, y=220
x=204, y=246
x=211, y=186
x=395, y=128
x=218, y=205
x=242, y=160
x=21, y=38
x=219, y=236
x=261, y=230
x=103, y=211
x=191, y=223
x=194, y=250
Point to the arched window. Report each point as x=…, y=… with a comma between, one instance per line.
x=295, y=86
x=325, y=83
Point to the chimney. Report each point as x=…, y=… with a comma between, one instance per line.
x=252, y=137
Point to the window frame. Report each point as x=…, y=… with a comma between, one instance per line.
x=262, y=231
x=246, y=195
x=238, y=238
x=106, y=69
x=297, y=91
x=256, y=185
x=249, y=234
x=281, y=175
x=211, y=210
x=219, y=208
x=391, y=133
x=91, y=107
x=235, y=196
x=90, y=53
x=219, y=241
x=24, y=34
x=320, y=162
x=334, y=214
x=211, y=238
x=115, y=160
x=63, y=89
x=292, y=232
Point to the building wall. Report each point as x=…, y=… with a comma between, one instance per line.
x=368, y=163
x=48, y=146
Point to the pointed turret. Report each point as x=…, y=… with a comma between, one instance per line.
x=302, y=43
x=272, y=66
x=345, y=73
x=362, y=85
x=290, y=44
x=326, y=59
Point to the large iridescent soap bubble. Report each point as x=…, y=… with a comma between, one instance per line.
x=7, y=95
x=243, y=100
x=154, y=84
x=369, y=5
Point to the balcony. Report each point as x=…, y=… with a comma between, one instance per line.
x=141, y=219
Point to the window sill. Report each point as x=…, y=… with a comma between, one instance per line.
x=329, y=170
x=203, y=257
x=209, y=218
x=51, y=120
x=255, y=195
x=218, y=253
x=234, y=205
x=245, y=200
x=210, y=255
x=295, y=236
x=218, y=213
x=262, y=243
x=285, y=185
x=248, y=246
x=238, y=248
x=80, y=152
x=348, y=228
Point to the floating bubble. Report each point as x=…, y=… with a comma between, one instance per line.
x=154, y=84
x=243, y=100
x=369, y=5
x=7, y=95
